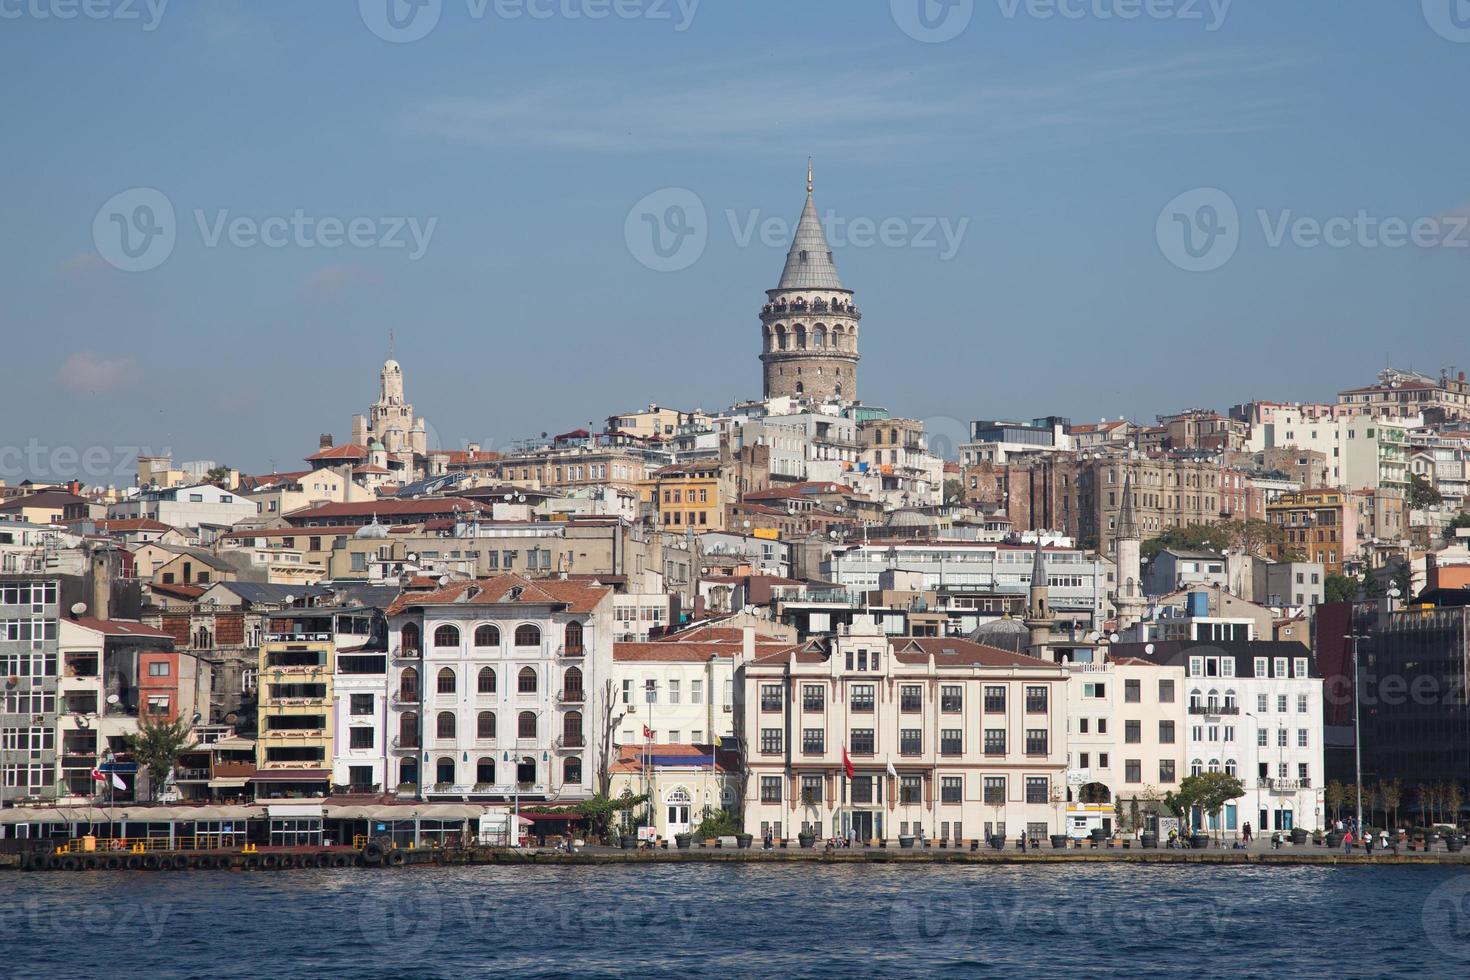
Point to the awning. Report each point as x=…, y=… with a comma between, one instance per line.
x=229, y=782
x=294, y=810
x=293, y=776
x=532, y=815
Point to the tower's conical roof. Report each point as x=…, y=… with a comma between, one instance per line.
x=1127, y=525
x=809, y=264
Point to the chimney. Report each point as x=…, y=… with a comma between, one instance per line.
x=324, y=441
x=747, y=644
x=102, y=583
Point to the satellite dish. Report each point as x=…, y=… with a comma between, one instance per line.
x=1148, y=648
x=1113, y=637
x=77, y=608
x=113, y=699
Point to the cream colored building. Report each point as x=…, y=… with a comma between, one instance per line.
x=947, y=738
x=1125, y=739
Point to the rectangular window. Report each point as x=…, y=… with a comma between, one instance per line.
x=361, y=704
x=811, y=789
x=1281, y=703
x=1166, y=691
x=770, y=789
x=949, y=698
x=362, y=738
x=1035, y=699
x=770, y=697
x=910, y=790
x=951, y=741
x=951, y=789
x=1281, y=737
x=813, y=697
x=995, y=790
x=995, y=698
x=1133, y=732
x=910, y=741
x=1300, y=667
x=995, y=741
x=1262, y=703
x=861, y=789
x=814, y=740
x=910, y=698
x=673, y=692
x=1133, y=691
x=1133, y=770
x=1036, y=741
x=770, y=740
x=1166, y=733
x=1301, y=738
x=158, y=669
x=696, y=692
x=1301, y=704
x=862, y=741
x=1166, y=771
x=1036, y=789
x=861, y=698
x=1260, y=666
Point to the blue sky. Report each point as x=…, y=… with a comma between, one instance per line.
x=518, y=146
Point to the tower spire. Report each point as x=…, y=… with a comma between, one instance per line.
x=1127, y=525
x=808, y=175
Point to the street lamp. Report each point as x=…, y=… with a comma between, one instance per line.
x=1357, y=728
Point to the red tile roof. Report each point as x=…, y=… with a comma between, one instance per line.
x=390, y=507
x=349, y=450
x=630, y=757
x=573, y=596
x=122, y=627
x=177, y=591
x=133, y=524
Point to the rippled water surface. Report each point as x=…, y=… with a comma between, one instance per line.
x=777, y=921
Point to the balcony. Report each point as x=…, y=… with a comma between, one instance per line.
x=571, y=740
x=1280, y=784
x=1214, y=709
x=405, y=699
x=191, y=775
x=571, y=650
x=572, y=696
x=408, y=653
x=401, y=744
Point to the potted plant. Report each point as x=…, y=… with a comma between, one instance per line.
x=1149, y=838
x=743, y=840
x=1298, y=835
x=905, y=840
x=1317, y=837
x=1058, y=841
x=806, y=839
x=1333, y=838
x=997, y=841
x=682, y=841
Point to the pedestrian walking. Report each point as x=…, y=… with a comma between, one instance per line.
x=1347, y=843
x=1245, y=832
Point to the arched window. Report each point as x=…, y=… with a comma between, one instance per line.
x=1194, y=700
x=573, y=639
x=485, y=770
x=485, y=726
x=444, y=772
x=1212, y=701
x=780, y=336
x=571, y=729
x=408, y=684
x=1230, y=767
x=445, y=726
x=819, y=337
x=408, y=731
x=408, y=638
x=800, y=387
x=1196, y=767
x=408, y=772
x=487, y=636
x=679, y=795
x=767, y=332
x=446, y=680
x=528, y=636
x=526, y=681
x=487, y=680
x=1214, y=765
x=571, y=770
x=526, y=725
x=446, y=636
x=571, y=685
x=1230, y=701
x=800, y=336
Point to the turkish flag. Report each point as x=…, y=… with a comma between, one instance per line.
x=646, y=732
x=847, y=764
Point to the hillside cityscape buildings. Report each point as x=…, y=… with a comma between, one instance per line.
x=789, y=610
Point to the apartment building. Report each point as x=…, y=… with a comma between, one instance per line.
x=947, y=739
x=499, y=689
x=28, y=666
x=296, y=715
x=1318, y=526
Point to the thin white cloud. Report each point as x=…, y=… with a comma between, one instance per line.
x=332, y=280
x=88, y=373
x=783, y=102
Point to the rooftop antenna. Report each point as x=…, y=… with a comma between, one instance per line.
x=390, y=344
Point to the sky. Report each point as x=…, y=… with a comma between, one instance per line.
x=217, y=213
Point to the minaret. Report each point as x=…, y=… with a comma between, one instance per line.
x=1129, y=601
x=1038, y=607
x=809, y=324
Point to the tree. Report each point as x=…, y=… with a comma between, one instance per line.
x=600, y=809
x=1209, y=791
x=1190, y=537
x=1334, y=795
x=157, y=748
x=1458, y=521
x=1403, y=580
x=1392, y=794
x=954, y=491
x=1252, y=535
x=219, y=476
x=1339, y=588
x=1421, y=493
x=1424, y=793
x=611, y=717
x=1454, y=797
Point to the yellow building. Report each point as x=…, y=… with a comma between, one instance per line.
x=294, y=734
x=1317, y=525
x=688, y=496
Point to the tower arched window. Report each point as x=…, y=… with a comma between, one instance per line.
x=800, y=388
x=780, y=336
x=800, y=332
x=819, y=337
